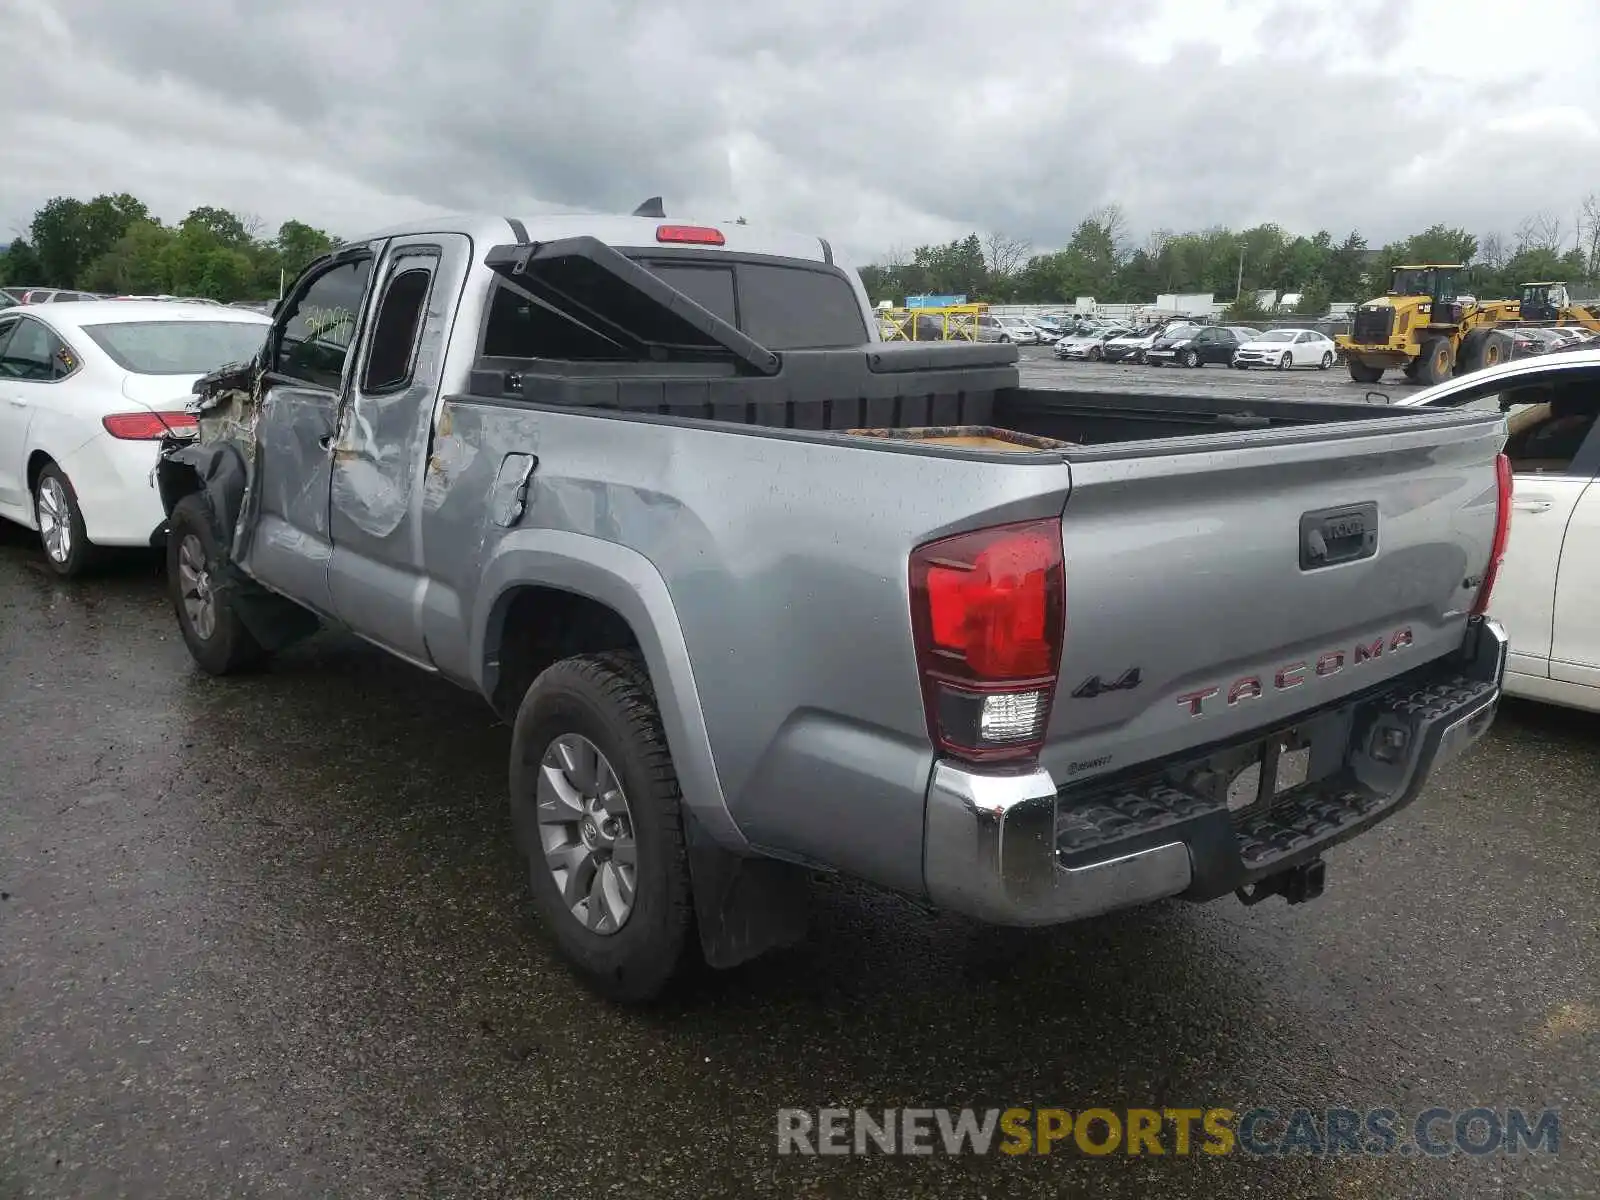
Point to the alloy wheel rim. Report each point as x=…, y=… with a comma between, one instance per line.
x=586, y=832
x=55, y=520
x=194, y=585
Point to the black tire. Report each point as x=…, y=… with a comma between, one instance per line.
x=1286, y=361
x=1362, y=373
x=1004, y=338
x=608, y=699
x=1327, y=361
x=1191, y=358
x=226, y=646
x=1470, y=357
x=53, y=491
x=1094, y=353
x=1239, y=366
x=1497, y=348
x=1436, y=361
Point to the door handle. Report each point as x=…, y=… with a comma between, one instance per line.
x=1531, y=506
x=18, y=401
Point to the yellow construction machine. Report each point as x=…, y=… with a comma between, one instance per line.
x=1426, y=327
x=1546, y=302
x=948, y=323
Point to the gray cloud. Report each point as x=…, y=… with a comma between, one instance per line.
x=893, y=126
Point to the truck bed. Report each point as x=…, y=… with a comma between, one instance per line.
x=960, y=394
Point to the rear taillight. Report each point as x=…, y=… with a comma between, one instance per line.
x=1502, y=533
x=693, y=235
x=988, y=615
x=148, y=426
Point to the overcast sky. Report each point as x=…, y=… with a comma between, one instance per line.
x=877, y=124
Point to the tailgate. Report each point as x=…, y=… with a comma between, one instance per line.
x=1219, y=591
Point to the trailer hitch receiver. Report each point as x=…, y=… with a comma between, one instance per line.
x=1296, y=885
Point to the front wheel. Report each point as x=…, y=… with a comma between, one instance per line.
x=210, y=624
x=67, y=551
x=1286, y=361
x=1327, y=361
x=1191, y=359
x=1362, y=373
x=595, y=809
x=1094, y=354
x=1436, y=361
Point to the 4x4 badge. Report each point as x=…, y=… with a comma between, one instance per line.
x=1092, y=686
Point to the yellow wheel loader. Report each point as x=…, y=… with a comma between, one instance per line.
x=1426, y=327
x=1546, y=303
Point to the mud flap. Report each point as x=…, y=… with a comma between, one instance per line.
x=743, y=906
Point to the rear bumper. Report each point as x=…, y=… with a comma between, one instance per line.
x=1013, y=849
x=116, y=492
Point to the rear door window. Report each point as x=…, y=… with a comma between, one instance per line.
x=35, y=354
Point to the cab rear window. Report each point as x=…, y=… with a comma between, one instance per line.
x=782, y=306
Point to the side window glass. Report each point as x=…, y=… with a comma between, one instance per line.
x=32, y=353
x=1546, y=434
x=1488, y=403
x=7, y=328
x=320, y=324
x=393, y=346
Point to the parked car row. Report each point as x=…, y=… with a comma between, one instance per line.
x=12, y=297
x=1183, y=343
x=1550, y=340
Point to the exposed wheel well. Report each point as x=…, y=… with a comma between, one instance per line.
x=541, y=626
x=37, y=461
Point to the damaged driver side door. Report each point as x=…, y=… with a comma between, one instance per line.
x=385, y=427
x=289, y=544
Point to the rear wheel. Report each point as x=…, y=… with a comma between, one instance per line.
x=1362, y=373
x=1327, y=361
x=210, y=624
x=1496, y=349
x=67, y=551
x=1470, y=356
x=595, y=808
x=1435, y=362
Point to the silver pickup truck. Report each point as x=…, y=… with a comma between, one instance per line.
x=762, y=595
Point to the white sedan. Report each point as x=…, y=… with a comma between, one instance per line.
x=87, y=391
x=1285, y=348
x=1545, y=590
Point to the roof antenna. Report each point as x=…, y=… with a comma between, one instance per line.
x=650, y=208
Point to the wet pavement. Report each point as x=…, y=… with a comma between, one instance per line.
x=266, y=937
x=1041, y=368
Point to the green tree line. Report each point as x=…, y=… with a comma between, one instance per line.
x=1101, y=261
x=112, y=244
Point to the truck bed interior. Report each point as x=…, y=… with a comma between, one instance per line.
x=577, y=325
